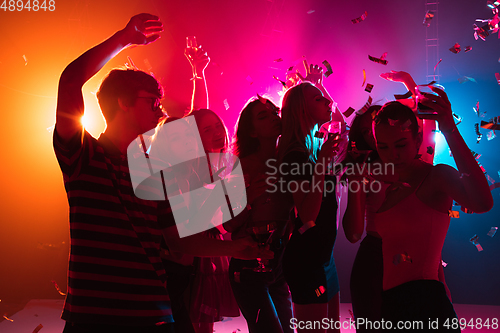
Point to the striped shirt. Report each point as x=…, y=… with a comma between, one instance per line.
x=115, y=276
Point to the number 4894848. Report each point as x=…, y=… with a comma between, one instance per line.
x=35, y=5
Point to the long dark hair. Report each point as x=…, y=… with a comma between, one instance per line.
x=244, y=144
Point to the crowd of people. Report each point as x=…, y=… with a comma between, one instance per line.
x=154, y=198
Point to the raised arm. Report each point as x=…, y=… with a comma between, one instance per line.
x=142, y=29
x=199, y=60
x=468, y=186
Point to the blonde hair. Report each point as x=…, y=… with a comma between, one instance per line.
x=298, y=125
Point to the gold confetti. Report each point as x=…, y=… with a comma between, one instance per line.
x=57, y=287
x=38, y=328
x=11, y=320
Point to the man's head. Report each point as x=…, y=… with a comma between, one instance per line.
x=126, y=88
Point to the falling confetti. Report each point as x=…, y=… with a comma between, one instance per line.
x=493, y=4
x=474, y=240
x=491, y=135
x=429, y=15
x=366, y=106
x=160, y=323
x=328, y=67
x=360, y=19
x=311, y=11
x=278, y=60
x=57, y=287
x=491, y=180
x=347, y=113
x=257, y=319
x=481, y=32
x=454, y=214
x=364, y=78
x=492, y=124
x=477, y=111
x=378, y=60
x=402, y=257
x=466, y=210
x=443, y=263
x=455, y=48
x=320, y=291
x=25, y=60
x=38, y=328
x=436, y=67
x=492, y=231
x=369, y=87
x=464, y=79
x=467, y=49
x=478, y=133
x=226, y=104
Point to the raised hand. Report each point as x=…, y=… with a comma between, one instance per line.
x=441, y=108
x=143, y=29
x=197, y=57
x=314, y=73
x=329, y=150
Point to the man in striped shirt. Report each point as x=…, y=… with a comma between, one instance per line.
x=116, y=280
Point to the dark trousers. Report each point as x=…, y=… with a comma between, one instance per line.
x=178, y=278
x=263, y=297
x=419, y=301
x=97, y=328
x=366, y=282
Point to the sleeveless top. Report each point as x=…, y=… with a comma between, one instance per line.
x=412, y=239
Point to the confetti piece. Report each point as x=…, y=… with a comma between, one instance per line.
x=364, y=78
x=474, y=241
x=257, y=319
x=492, y=124
x=493, y=4
x=328, y=67
x=249, y=79
x=366, y=106
x=311, y=11
x=402, y=257
x=492, y=231
x=477, y=111
x=497, y=75
x=289, y=69
x=320, y=291
x=25, y=60
x=38, y=328
x=369, y=87
x=481, y=32
x=430, y=150
x=466, y=210
x=479, y=135
x=454, y=214
x=429, y=15
x=360, y=19
x=491, y=135
x=491, y=180
x=236, y=330
x=455, y=48
x=464, y=79
x=434, y=75
x=226, y=104
x=443, y=263
x=378, y=60
x=494, y=186
x=11, y=320
x=278, y=60
x=57, y=287
x=467, y=49
x=405, y=96
x=347, y=113
x=160, y=323
x=457, y=118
